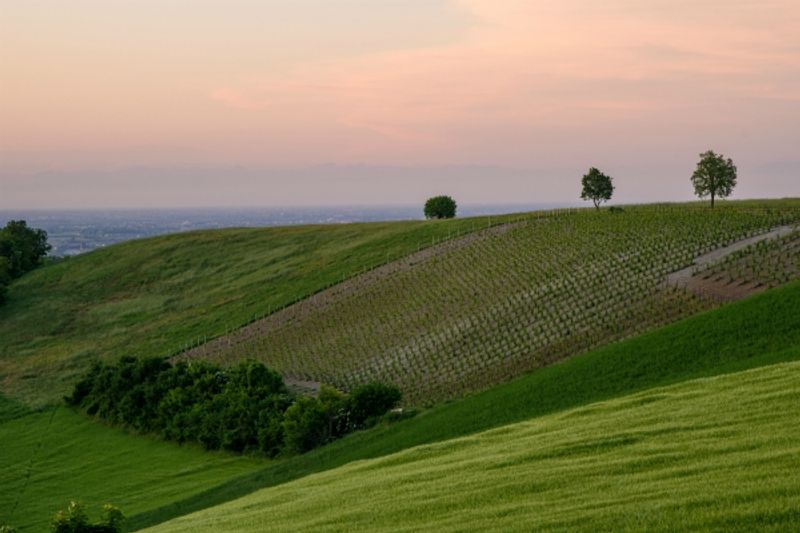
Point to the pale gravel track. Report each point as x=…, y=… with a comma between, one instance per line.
x=681, y=277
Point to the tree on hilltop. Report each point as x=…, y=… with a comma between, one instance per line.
x=714, y=176
x=440, y=207
x=23, y=247
x=597, y=187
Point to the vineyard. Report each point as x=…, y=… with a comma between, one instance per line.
x=549, y=286
x=760, y=266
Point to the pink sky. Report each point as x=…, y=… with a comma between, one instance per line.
x=117, y=102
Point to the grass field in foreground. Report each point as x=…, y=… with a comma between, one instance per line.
x=51, y=457
x=759, y=331
x=713, y=454
x=152, y=296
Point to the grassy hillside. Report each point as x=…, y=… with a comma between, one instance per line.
x=760, y=331
x=480, y=314
x=49, y=458
x=713, y=454
x=38, y=363
x=155, y=296
x=158, y=480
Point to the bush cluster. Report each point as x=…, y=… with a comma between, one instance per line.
x=243, y=408
x=75, y=520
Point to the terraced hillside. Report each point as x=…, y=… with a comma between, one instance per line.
x=526, y=295
x=156, y=296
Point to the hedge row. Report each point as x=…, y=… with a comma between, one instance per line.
x=243, y=408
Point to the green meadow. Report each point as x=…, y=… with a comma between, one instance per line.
x=56, y=455
x=715, y=454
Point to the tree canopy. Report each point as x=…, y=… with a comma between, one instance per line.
x=21, y=249
x=714, y=176
x=597, y=187
x=440, y=207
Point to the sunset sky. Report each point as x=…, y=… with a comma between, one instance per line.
x=145, y=103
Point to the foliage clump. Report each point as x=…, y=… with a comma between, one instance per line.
x=440, y=207
x=21, y=250
x=244, y=408
x=74, y=519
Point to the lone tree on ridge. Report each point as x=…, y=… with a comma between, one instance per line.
x=597, y=187
x=440, y=207
x=715, y=176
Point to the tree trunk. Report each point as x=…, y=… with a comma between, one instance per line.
x=596, y=204
x=712, y=199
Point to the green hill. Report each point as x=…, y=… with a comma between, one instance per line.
x=213, y=281
x=763, y=330
x=543, y=288
x=156, y=296
x=46, y=462
x=713, y=454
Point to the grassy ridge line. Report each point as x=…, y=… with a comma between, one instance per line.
x=759, y=331
x=51, y=457
x=710, y=454
x=153, y=296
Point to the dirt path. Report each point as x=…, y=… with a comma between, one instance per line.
x=315, y=302
x=681, y=278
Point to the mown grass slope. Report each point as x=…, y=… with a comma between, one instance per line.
x=713, y=454
x=50, y=457
x=153, y=296
x=760, y=331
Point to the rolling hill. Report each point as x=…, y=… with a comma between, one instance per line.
x=760, y=331
x=208, y=284
x=159, y=295
x=529, y=293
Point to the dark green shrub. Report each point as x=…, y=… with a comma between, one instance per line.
x=440, y=207
x=5, y=279
x=370, y=401
x=337, y=410
x=305, y=425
